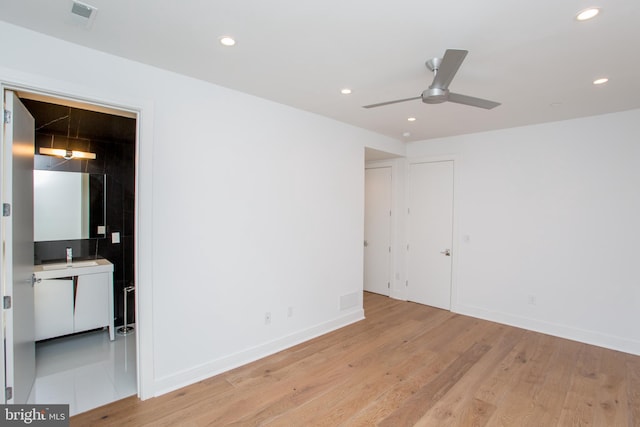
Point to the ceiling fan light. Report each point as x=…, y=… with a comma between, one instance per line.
x=587, y=14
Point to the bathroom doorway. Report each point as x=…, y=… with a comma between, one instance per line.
x=87, y=370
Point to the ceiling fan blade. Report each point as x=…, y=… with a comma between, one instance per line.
x=391, y=102
x=470, y=100
x=448, y=68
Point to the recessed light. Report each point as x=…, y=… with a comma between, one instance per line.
x=227, y=41
x=587, y=14
x=600, y=81
x=345, y=91
x=411, y=119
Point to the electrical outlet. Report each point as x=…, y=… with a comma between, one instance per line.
x=290, y=312
x=267, y=318
x=531, y=300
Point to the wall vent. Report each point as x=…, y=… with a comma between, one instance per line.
x=83, y=12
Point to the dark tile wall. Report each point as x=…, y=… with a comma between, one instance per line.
x=112, y=138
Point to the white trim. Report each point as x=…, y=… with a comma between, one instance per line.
x=226, y=363
x=431, y=159
x=376, y=164
x=555, y=329
x=144, y=111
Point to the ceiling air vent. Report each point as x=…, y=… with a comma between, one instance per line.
x=84, y=12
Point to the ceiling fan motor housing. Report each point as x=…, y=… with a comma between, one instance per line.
x=444, y=69
x=435, y=95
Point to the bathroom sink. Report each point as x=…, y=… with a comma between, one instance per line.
x=62, y=266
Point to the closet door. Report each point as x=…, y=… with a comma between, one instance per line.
x=377, y=230
x=430, y=233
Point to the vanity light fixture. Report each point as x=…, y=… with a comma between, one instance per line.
x=67, y=154
x=587, y=14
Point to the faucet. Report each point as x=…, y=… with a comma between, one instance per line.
x=69, y=257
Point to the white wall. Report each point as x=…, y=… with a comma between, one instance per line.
x=246, y=207
x=551, y=213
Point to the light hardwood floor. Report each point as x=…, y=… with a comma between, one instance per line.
x=405, y=365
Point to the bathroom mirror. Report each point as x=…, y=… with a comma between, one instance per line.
x=68, y=205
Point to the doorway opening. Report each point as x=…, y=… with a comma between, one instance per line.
x=87, y=370
x=380, y=216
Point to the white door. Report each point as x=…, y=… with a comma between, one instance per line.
x=17, y=255
x=430, y=233
x=377, y=230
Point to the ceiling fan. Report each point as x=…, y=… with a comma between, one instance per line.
x=443, y=72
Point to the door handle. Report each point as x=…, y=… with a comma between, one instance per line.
x=34, y=280
x=446, y=252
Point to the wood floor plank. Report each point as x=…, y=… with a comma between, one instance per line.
x=463, y=332
x=277, y=392
x=517, y=405
x=476, y=413
x=133, y=412
x=612, y=391
x=406, y=364
x=578, y=406
x=372, y=376
x=509, y=372
x=413, y=408
x=377, y=357
x=459, y=406
x=633, y=390
x=324, y=344
x=549, y=396
x=379, y=409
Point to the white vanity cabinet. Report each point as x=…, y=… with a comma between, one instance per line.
x=73, y=299
x=53, y=304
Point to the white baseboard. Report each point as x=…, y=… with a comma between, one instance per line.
x=575, y=334
x=215, y=367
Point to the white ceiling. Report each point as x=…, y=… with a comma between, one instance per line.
x=533, y=57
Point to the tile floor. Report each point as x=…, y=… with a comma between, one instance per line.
x=85, y=371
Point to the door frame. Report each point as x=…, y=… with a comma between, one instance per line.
x=455, y=259
x=143, y=223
